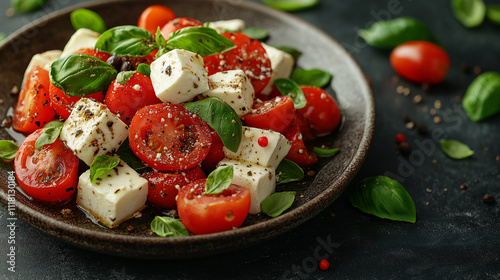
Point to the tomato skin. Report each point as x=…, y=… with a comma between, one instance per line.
x=205, y=214
x=155, y=16
x=275, y=114
x=321, y=111
x=168, y=137
x=299, y=152
x=249, y=56
x=33, y=109
x=420, y=61
x=97, y=54
x=125, y=100
x=163, y=187
x=176, y=24
x=216, y=153
x=63, y=104
x=48, y=174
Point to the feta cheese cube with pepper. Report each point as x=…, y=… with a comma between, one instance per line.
x=230, y=25
x=82, y=39
x=281, y=65
x=178, y=76
x=263, y=147
x=234, y=88
x=260, y=180
x=116, y=195
x=92, y=130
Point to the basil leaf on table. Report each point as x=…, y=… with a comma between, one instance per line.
x=221, y=117
x=126, y=40
x=290, y=88
x=493, y=13
x=456, y=149
x=25, y=6
x=277, y=203
x=81, y=74
x=391, y=33
x=291, y=51
x=482, y=98
x=167, y=226
x=311, y=77
x=84, y=18
x=256, y=33
x=326, y=152
x=470, y=13
x=383, y=197
x=48, y=137
x=2, y=37
x=126, y=154
x=124, y=76
x=101, y=165
x=288, y=171
x=219, y=180
x=202, y=40
x=8, y=149
x=291, y=5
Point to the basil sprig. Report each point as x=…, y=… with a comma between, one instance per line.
x=81, y=74
x=168, y=227
x=290, y=88
x=288, y=171
x=470, y=13
x=25, y=6
x=256, y=33
x=219, y=180
x=84, y=18
x=221, y=117
x=202, y=40
x=101, y=165
x=383, y=197
x=127, y=40
x=391, y=33
x=493, y=13
x=291, y=5
x=311, y=77
x=482, y=98
x=49, y=135
x=8, y=149
x=456, y=149
x=277, y=203
x=326, y=152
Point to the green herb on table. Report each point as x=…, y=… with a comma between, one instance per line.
x=456, y=149
x=288, y=171
x=168, y=227
x=275, y=204
x=83, y=18
x=291, y=5
x=25, y=6
x=493, y=13
x=101, y=165
x=311, y=77
x=470, y=13
x=482, y=98
x=8, y=149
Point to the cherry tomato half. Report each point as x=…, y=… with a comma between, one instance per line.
x=204, y=214
x=49, y=173
x=155, y=16
x=177, y=24
x=63, y=104
x=299, y=152
x=420, y=61
x=168, y=137
x=321, y=111
x=275, y=114
x=216, y=153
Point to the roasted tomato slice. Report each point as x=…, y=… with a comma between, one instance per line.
x=49, y=173
x=321, y=111
x=275, y=114
x=204, y=214
x=176, y=24
x=299, y=152
x=168, y=137
x=155, y=16
x=63, y=104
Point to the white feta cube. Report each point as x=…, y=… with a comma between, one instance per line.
x=234, y=88
x=42, y=60
x=230, y=25
x=92, y=130
x=269, y=155
x=260, y=180
x=115, y=197
x=82, y=39
x=281, y=64
x=178, y=76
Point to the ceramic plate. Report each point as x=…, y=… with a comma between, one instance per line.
x=315, y=193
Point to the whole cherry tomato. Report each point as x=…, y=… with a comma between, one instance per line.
x=275, y=114
x=155, y=16
x=321, y=111
x=177, y=24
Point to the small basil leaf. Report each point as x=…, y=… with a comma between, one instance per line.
x=493, y=13
x=83, y=18
x=54, y=124
x=312, y=77
x=2, y=37
x=8, y=149
x=470, y=13
x=124, y=77
x=126, y=40
x=291, y=51
x=290, y=88
x=25, y=6
x=48, y=136
x=219, y=180
x=326, y=152
x=482, y=98
x=101, y=165
x=144, y=69
x=256, y=33
x=391, y=33
x=127, y=155
x=81, y=74
x=456, y=149
x=204, y=41
x=288, y=171
x=167, y=226
x=291, y=5
x=161, y=43
x=383, y=197
x=277, y=203
x=221, y=117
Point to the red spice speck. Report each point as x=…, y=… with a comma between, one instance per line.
x=324, y=264
x=400, y=138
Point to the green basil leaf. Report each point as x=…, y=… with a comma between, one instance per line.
x=391, y=33
x=482, y=98
x=456, y=149
x=290, y=88
x=470, y=13
x=288, y=171
x=126, y=40
x=312, y=77
x=124, y=76
x=126, y=154
x=25, y=6
x=54, y=124
x=101, y=165
x=291, y=51
x=291, y=5
x=167, y=226
x=144, y=69
x=277, y=203
x=161, y=43
x=219, y=180
x=493, y=13
x=256, y=33
x=48, y=137
x=83, y=18
x=221, y=117
x=2, y=37
x=8, y=149
x=81, y=74
x=202, y=40
x=326, y=152
x=383, y=197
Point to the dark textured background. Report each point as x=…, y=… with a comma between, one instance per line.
x=456, y=235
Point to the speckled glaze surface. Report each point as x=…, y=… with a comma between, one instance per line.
x=132, y=239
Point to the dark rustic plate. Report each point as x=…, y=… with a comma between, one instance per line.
x=132, y=238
